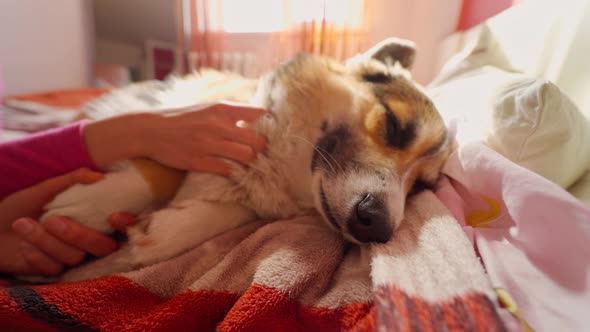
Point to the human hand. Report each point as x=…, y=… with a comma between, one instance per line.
x=32, y=248
x=201, y=138
x=28, y=247
x=29, y=202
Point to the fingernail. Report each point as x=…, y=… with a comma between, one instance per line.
x=114, y=246
x=88, y=176
x=22, y=226
x=122, y=218
x=109, y=247
x=57, y=225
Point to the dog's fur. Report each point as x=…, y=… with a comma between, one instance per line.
x=349, y=141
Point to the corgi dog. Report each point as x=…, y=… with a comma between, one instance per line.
x=348, y=141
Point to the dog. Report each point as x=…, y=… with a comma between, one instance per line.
x=348, y=141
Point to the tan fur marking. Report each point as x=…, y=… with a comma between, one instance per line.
x=374, y=123
x=428, y=138
x=402, y=111
x=164, y=181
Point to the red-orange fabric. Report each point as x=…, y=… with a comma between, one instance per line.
x=70, y=98
x=116, y=303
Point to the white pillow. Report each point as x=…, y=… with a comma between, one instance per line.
x=467, y=101
x=540, y=128
x=481, y=49
x=528, y=120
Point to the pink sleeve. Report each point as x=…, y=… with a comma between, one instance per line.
x=41, y=156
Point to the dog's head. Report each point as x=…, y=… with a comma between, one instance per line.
x=377, y=136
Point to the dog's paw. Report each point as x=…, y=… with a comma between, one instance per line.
x=123, y=191
x=181, y=226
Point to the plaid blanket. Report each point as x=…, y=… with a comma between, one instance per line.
x=291, y=275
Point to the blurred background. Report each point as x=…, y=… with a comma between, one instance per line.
x=71, y=43
x=51, y=45
x=58, y=58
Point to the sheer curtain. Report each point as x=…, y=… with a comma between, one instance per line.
x=337, y=28
x=270, y=31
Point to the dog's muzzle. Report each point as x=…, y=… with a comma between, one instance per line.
x=369, y=221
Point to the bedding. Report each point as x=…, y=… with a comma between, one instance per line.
x=289, y=275
x=60, y=99
x=532, y=236
x=581, y=189
x=528, y=119
x=24, y=114
x=298, y=275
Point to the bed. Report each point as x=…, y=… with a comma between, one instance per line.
x=523, y=153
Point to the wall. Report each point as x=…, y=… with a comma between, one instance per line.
x=123, y=27
x=45, y=45
x=134, y=21
x=114, y=52
x=476, y=11
x=425, y=22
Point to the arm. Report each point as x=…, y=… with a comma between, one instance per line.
x=197, y=140
x=41, y=156
x=28, y=247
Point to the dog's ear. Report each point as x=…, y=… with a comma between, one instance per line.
x=393, y=50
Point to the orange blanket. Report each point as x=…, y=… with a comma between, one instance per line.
x=70, y=98
x=291, y=275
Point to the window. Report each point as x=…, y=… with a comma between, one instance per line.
x=238, y=16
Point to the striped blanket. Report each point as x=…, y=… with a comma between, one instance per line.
x=291, y=275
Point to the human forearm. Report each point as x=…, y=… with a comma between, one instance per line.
x=119, y=138
x=42, y=156
x=198, y=140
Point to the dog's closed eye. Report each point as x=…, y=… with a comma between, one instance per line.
x=397, y=136
x=419, y=186
x=379, y=77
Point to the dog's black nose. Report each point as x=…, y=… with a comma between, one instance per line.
x=370, y=220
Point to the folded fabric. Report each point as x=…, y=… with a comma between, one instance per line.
x=291, y=275
x=60, y=99
x=533, y=236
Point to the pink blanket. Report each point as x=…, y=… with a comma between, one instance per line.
x=532, y=236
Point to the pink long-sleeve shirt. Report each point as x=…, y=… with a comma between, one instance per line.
x=29, y=160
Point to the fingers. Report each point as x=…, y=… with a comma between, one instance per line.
x=35, y=234
x=248, y=137
x=39, y=263
x=241, y=153
x=229, y=115
x=47, y=189
x=78, y=236
x=30, y=201
x=120, y=221
x=236, y=112
x=46, y=249
x=86, y=176
x=212, y=165
x=231, y=132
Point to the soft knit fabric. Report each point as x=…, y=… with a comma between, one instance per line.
x=289, y=275
x=27, y=161
x=532, y=236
